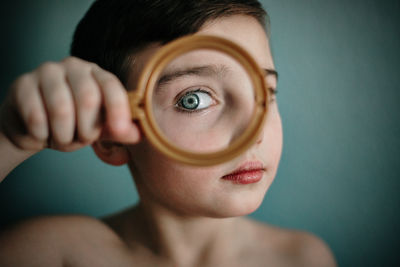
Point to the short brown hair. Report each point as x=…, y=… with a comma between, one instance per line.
x=111, y=30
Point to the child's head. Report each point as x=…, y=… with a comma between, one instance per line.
x=120, y=36
x=112, y=31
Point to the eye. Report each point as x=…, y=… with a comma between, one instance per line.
x=273, y=92
x=194, y=101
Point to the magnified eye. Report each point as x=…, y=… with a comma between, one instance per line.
x=195, y=100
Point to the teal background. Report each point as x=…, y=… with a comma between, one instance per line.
x=339, y=98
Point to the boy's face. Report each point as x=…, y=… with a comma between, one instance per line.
x=201, y=191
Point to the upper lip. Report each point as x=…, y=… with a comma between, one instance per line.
x=247, y=167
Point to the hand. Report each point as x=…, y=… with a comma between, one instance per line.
x=66, y=106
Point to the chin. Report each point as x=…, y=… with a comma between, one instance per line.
x=243, y=203
x=235, y=207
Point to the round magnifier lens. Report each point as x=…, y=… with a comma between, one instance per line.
x=204, y=100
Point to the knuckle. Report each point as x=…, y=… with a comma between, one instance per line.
x=73, y=61
x=89, y=98
x=93, y=65
x=60, y=106
x=22, y=88
x=36, y=117
x=49, y=67
x=116, y=95
x=23, y=81
x=88, y=136
x=21, y=94
x=117, y=108
x=84, y=136
x=27, y=143
x=60, y=142
x=111, y=82
x=62, y=135
x=90, y=101
x=62, y=111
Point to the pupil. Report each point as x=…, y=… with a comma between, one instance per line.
x=190, y=101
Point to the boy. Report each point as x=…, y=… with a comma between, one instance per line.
x=187, y=216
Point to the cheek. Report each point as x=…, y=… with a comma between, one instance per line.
x=210, y=131
x=191, y=137
x=274, y=136
x=173, y=184
x=270, y=147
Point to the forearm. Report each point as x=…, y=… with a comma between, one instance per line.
x=10, y=156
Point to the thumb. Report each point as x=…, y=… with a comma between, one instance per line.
x=126, y=132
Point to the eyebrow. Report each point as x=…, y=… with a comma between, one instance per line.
x=207, y=70
x=268, y=72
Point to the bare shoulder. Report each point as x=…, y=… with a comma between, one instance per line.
x=49, y=240
x=310, y=250
x=292, y=247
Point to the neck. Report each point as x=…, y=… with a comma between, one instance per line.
x=186, y=240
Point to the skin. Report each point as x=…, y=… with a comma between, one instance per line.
x=187, y=216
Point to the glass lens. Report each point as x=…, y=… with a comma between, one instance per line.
x=203, y=101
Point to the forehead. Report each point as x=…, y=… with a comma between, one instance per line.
x=243, y=30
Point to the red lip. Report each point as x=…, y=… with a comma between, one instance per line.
x=248, y=173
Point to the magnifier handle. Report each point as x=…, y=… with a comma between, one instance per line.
x=136, y=104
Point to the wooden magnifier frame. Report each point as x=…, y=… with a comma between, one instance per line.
x=141, y=99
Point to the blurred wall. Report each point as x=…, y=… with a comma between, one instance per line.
x=339, y=98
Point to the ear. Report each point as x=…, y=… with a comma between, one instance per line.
x=110, y=152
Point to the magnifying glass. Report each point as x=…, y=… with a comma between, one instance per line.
x=201, y=100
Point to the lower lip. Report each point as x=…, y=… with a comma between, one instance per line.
x=245, y=177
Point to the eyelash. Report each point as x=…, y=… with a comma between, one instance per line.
x=273, y=92
x=185, y=111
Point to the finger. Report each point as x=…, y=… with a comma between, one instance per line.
x=16, y=132
x=131, y=136
x=58, y=102
x=75, y=145
x=28, y=103
x=87, y=99
x=118, y=116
